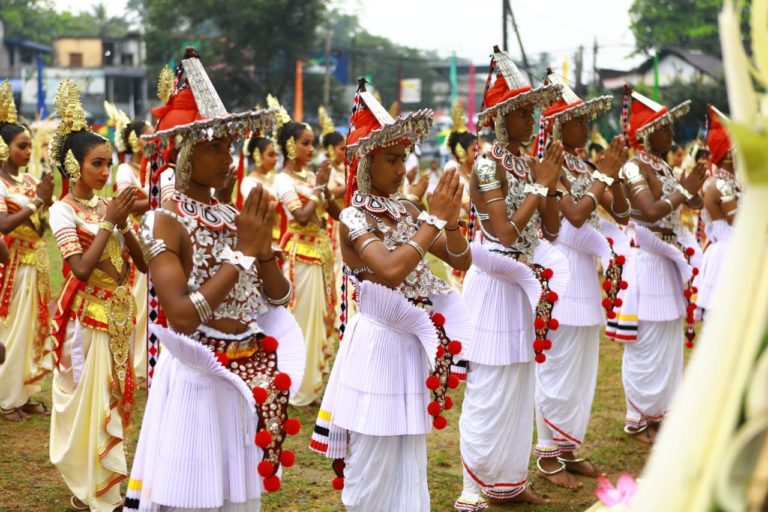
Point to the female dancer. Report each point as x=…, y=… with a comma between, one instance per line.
x=263, y=157
x=93, y=381
x=307, y=202
x=565, y=384
x=515, y=196
x=721, y=201
x=24, y=290
x=376, y=410
x=216, y=418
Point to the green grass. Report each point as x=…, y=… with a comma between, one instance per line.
x=29, y=482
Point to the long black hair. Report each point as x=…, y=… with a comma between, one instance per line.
x=258, y=142
x=287, y=131
x=10, y=131
x=81, y=143
x=137, y=126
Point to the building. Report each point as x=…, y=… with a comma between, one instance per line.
x=674, y=64
x=18, y=59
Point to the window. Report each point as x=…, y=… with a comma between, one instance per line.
x=127, y=59
x=75, y=60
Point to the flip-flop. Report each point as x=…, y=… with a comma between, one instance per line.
x=78, y=505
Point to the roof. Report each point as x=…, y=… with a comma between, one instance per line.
x=27, y=45
x=704, y=62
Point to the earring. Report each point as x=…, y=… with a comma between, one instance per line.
x=133, y=142
x=184, y=167
x=256, y=156
x=500, y=129
x=290, y=148
x=5, y=151
x=363, y=176
x=461, y=153
x=330, y=153
x=72, y=167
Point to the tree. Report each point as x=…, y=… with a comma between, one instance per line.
x=688, y=24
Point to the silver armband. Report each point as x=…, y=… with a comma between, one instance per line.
x=151, y=247
x=356, y=222
x=236, y=258
x=283, y=300
x=485, y=168
x=726, y=189
x=630, y=173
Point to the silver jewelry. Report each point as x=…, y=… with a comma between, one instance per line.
x=366, y=243
x=202, y=307
x=432, y=220
x=237, y=259
x=593, y=197
x=687, y=195
x=417, y=248
x=622, y=215
x=494, y=200
x=547, y=232
x=669, y=202
x=454, y=254
x=535, y=188
x=630, y=173
x=283, y=300
x=601, y=177
x=517, y=229
x=356, y=222
x=485, y=168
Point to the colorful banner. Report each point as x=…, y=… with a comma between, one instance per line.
x=410, y=90
x=298, y=97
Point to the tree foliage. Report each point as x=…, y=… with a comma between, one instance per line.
x=38, y=21
x=688, y=24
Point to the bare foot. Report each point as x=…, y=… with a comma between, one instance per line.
x=35, y=408
x=645, y=436
x=583, y=467
x=528, y=496
x=14, y=415
x=554, y=471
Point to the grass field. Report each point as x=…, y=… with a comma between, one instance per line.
x=29, y=482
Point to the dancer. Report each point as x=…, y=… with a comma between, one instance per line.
x=721, y=202
x=308, y=202
x=376, y=410
x=93, y=379
x=565, y=384
x=24, y=283
x=515, y=196
x=213, y=430
x=263, y=158
x=659, y=271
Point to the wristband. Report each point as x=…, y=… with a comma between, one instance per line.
x=236, y=258
x=687, y=195
x=106, y=225
x=535, y=188
x=432, y=220
x=601, y=177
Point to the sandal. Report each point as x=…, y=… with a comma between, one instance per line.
x=78, y=505
x=595, y=471
x=16, y=415
x=38, y=408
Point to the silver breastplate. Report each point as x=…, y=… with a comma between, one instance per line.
x=528, y=240
x=580, y=181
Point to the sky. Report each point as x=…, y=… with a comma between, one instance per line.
x=470, y=29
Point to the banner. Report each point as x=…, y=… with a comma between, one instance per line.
x=410, y=90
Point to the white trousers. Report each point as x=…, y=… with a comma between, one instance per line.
x=386, y=474
x=497, y=429
x=652, y=370
x=565, y=388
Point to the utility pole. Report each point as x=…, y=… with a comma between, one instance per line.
x=519, y=38
x=327, y=81
x=504, y=15
x=595, y=74
x=578, y=59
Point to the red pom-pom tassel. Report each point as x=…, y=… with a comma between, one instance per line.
x=623, y=285
x=272, y=484
x=540, y=358
x=438, y=319
x=453, y=382
x=448, y=403
x=552, y=296
x=553, y=324
x=539, y=323
x=434, y=408
x=607, y=303
x=440, y=422
x=606, y=285
x=292, y=426
x=547, y=273
x=454, y=347
x=618, y=302
x=440, y=351
x=287, y=458
x=621, y=259
x=265, y=468
x=338, y=483
x=283, y=381
x=433, y=382
x=269, y=344
x=263, y=438
x=547, y=344
x=538, y=345
x=260, y=395
x=222, y=358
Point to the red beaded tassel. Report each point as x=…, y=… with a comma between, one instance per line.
x=613, y=282
x=544, y=322
x=690, y=293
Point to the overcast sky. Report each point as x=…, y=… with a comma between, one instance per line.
x=472, y=28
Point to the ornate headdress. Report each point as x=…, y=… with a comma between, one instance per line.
x=570, y=106
x=373, y=128
x=281, y=115
x=72, y=115
x=646, y=116
x=326, y=123
x=121, y=121
x=718, y=141
x=510, y=91
x=459, y=117
x=8, y=112
x=194, y=113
